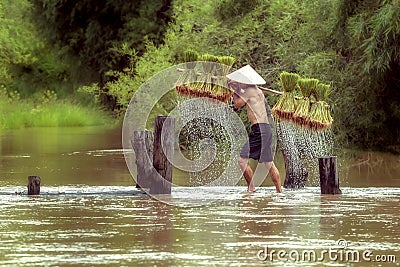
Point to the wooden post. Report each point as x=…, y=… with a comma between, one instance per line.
x=33, y=185
x=143, y=146
x=328, y=175
x=163, y=152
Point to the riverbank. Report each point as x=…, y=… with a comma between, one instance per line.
x=48, y=111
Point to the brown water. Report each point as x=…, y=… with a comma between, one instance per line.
x=89, y=212
x=62, y=156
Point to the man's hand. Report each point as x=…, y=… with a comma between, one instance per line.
x=232, y=106
x=238, y=101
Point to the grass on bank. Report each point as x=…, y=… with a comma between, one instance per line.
x=48, y=111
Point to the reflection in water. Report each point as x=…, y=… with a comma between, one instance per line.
x=108, y=222
x=62, y=156
x=93, y=156
x=117, y=226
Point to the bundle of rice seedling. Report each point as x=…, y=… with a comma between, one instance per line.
x=221, y=91
x=320, y=116
x=301, y=115
x=226, y=64
x=285, y=106
x=289, y=81
x=188, y=75
x=190, y=58
x=205, y=86
x=211, y=82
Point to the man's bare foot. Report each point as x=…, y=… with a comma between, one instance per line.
x=251, y=189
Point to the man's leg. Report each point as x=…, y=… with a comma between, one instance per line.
x=247, y=173
x=275, y=176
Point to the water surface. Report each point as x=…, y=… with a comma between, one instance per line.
x=62, y=156
x=116, y=226
x=89, y=213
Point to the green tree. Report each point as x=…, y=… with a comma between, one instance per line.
x=27, y=63
x=17, y=38
x=105, y=36
x=370, y=98
x=351, y=44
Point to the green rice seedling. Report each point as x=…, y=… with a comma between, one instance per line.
x=223, y=93
x=289, y=81
x=190, y=58
x=182, y=86
x=227, y=63
x=211, y=82
x=307, y=86
x=208, y=63
x=301, y=115
x=320, y=115
x=286, y=104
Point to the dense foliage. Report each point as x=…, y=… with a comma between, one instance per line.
x=104, y=36
x=368, y=103
x=112, y=47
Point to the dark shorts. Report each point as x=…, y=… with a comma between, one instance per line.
x=259, y=145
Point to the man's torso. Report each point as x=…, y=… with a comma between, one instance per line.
x=255, y=107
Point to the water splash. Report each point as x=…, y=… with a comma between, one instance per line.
x=210, y=136
x=301, y=148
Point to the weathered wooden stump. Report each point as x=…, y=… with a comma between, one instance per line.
x=33, y=185
x=163, y=152
x=328, y=175
x=154, y=155
x=143, y=147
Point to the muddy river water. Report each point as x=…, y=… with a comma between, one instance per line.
x=90, y=214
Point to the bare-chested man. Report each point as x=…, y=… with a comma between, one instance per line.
x=259, y=146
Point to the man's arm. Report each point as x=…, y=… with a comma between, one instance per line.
x=239, y=101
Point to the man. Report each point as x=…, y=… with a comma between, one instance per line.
x=259, y=146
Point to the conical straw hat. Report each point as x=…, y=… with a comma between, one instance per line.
x=246, y=75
